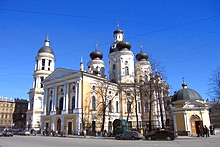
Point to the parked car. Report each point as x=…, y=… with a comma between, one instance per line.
x=161, y=135
x=133, y=135
x=25, y=133
x=7, y=133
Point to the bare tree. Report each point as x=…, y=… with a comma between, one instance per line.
x=105, y=92
x=214, y=84
x=132, y=92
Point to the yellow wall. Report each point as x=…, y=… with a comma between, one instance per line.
x=180, y=122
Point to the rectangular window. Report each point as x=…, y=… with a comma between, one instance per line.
x=93, y=103
x=116, y=106
x=110, y=105
x=49, y=63
x=43, y=64
x=139, y=107
x=146, y=107
x=128, y=106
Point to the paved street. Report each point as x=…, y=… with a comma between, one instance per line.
x=41, y=141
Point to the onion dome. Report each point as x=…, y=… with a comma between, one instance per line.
x=46, y=48
x=118, y=31
x=113, y=47
x=96, y=55
x=123, y=46
x=186, y=94
x=142, y=56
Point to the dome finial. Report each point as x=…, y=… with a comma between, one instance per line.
x=184, y=85
x=96, y=45
x=141, y=46
x=117, y=25
x=47, y=41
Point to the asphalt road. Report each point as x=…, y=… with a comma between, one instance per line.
x=41, y=141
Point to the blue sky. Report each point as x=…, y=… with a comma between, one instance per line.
x=183, y=35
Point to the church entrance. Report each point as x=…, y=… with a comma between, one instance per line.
x=196, y=124
x=59, y=125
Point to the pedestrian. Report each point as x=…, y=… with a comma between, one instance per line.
x=212, y=129
x=105, y=133
x=84, y=133
x=78, y=133
x=198, y=131
x=206, y=131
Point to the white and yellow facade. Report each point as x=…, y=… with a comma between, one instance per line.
x=188, y=111
x=74, y=99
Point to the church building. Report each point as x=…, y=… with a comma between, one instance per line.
x=130, y=97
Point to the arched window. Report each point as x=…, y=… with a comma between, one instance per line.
x=61, y=103
x=93, y=103
x=126, y=70
x=128, y=106
x=113, y=66
x=73, y=102
x=146, y=107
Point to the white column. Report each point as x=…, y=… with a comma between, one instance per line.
x=64, y=98
x=52, y=65
x=39, y=63
x=174, y=122
x=53, y=99
x=46, y=64
x=78, y=93
x=67, y=97
x=45, y=105
x=186, y=121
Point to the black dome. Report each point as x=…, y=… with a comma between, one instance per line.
x=142, y=56
x=96, y=55
x=123, y=45
x=118, y=31
x=186, y=94
x=46, y=49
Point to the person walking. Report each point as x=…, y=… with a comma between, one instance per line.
x=84, y=133
x=198, y=131
x=206, y=131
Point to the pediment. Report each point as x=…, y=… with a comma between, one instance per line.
x=59, y=73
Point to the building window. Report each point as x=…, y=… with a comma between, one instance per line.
x=41, y=80
x=43, y=64
x=73, y=102
x=129, y=124
x=73, y=87
x=126, y=70
x=146, y=107
x=93, y=87
x=110, y=105
x=93, y=103
x=116, y=106
x=113, y=66
x=128, y=106
x=49, y=63
x=50, y=108
x=139, y=107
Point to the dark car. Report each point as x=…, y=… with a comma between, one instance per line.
x=133, y=135
x=7, y=133
x=161, y=135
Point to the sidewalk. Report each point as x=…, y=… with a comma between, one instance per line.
x=99, y=137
